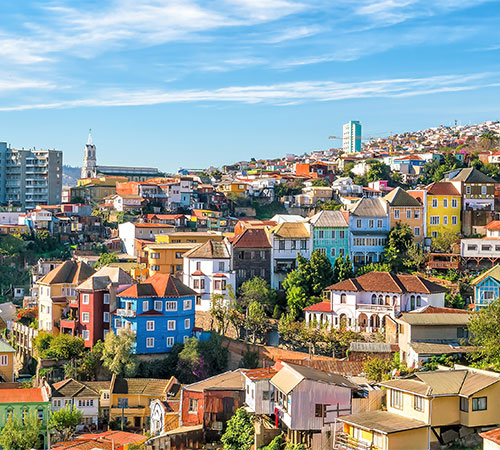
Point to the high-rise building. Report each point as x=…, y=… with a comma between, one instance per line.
x=352, y=137
x=30, y=177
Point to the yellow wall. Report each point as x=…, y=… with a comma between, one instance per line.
x=445, y=411
x=483, y=418
x=409, y=440
x=167, y=260
x=186, y=238
x=7, y=372
x=441, y=211
x=408, y=409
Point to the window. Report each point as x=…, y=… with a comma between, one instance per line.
x=467, y=190
x=4, y=360
x=342, y=234
x=396, y=399
x=106, y=299
x=85, y=317
x=145, y=305
x=154, y=255
x=488, y=295
x=418, y=403
x=396, y=213
x=445, y=203
x=178, y=255
x=332, y=252
x=193, y=405
x=105, y=316
x=321, y=234
x=85, y=299
x=196, y=284
x=170, y=341
x=343, y=298
x=187, y=324
x=39, y=414
x=454, y=220
x=322, y=250
x=118, y=323
x=485, y=248
x=479, y=404
x=188, y=304
x=320, y=410
x=464, y=404
x=341, y=252
x=419, y=301
x=150, y=325
x=198, y=265
x=379, y=223
x=434, y=220
x=303, y=244
x=416, y=214
x=122, y=402
x=265, y=395
x=222, y=266
x=86, y=335
x=371, y=223
x=374, y=299
x=171, y=325
x=219, y=285
x=408, y=213
x=172, y=306
x=434, y=203
x=445, y=220
x=483, y=190
x=150, y=342
x=358, y=223
x=158, y=305
x=281, y=244
x=434, y=234
x=416, y=231
x=454, y=203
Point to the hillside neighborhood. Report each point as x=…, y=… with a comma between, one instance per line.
x=341, y=299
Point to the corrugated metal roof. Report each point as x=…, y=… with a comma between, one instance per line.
x=472, y=175
x=399, y=197
x=369, y=207
x=382, y=421
x=440, y=348
x=370, y=347
x=291, y=230
x=329, y=219
x=436, y=319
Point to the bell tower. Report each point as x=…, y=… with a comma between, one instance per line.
x=89, y=168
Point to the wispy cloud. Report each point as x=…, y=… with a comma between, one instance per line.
x=279, y=94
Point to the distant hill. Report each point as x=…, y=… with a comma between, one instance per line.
x=71, y=175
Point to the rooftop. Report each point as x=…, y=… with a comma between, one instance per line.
x=159, y=285
x=69, y=272
x=227, y=381
x=291, y=230
x=399, y=197
x=329, y=219
x=209, y=250
x=382, y=421
x=146, y=386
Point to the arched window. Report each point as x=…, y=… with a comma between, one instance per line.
x=419, y=301
x=387, y=300
x=412, y=302
x=395, y=300
x=374, y=299
x=343, y=298
x=9, y=412
x=380, y=299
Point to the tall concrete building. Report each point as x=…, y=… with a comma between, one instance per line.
x=30, y=177
x=352, y=137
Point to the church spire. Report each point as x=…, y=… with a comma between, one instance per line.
x=89, y=140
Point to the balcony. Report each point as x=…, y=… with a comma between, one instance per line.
x=373, y=308
x=125, y=313
x=129, y=411
x=345, y=442
x=443, y=261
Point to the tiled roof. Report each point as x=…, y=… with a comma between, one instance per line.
x=388, y=282
x=159, y=285
x=104, y=277
x=492, y=435
x=72, y=388
x=342, y=367
x=21, y=395
x=83, y=444
x=319, y=307
x=442, y=188
x=493, y=225
x=472, y=175
x=120, y=438
x=153, y=225
x=260, y=374
x=251, y=238
x=291, y=230
x=331, y=219
x=209, y=250
x=399, y=197
x=143, y=386
x=69, y=272
x=369, y=207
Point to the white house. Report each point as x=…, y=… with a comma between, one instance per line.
x=288, y=239
x=70, y=393
x=126, y=202
x=129, y=232
x=363, y=303
x=259, y=393
x=483, y=249
x=208, y=271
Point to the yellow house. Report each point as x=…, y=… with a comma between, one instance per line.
x=166, y=258
x=443, y=207
x=7, y=355
x=233, y=187
x=180, y=237
x=57, y=293
x=422, y=408
x=131, y=398
x=96, y=189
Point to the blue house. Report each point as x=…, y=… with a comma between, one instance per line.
x=486, y=288
x=368, y=230
x=331, y=233
x=159, y=311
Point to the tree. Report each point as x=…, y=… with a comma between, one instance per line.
x=373, y=267
x=320, y=182
x=398, y=242
x=63, y=422
x=105, y=259
x=378, y=171
x=415, y=257
x=444, y=241
x=343, y=269
x=62, y=346
x=17, y=435
x=219, y=313
x=484, y=331
x=86, y=367
x=11, y=245
x=117, y=354
x=320, y=272
x=250, y=359
x=296, y=299
x=257, y=320
x=378, y=369
x=257, y=289
x=289, y=330
x=239, y=433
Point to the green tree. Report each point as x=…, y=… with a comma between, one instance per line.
x=320, y=182
x=378, y=171
x=257, y=320
x=11, y=245
x=17, y=435
x=399, y=241
x=87, y=366
x=484, y=331
x=343, y=269
x=63, y=423
x=117, y=354
x=320, y=273
x=239, y=433
x=105, y=259
x=257, y=289
x=62, y=346
x=219, y=313
x=378, y=369
x=250, y=359
x=415, y=257
x=444, y=241
x=289, y=330
x=373, y=267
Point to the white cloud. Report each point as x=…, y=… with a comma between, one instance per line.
x=280, y=94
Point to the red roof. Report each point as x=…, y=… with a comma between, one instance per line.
x=442, y=188
x=260, y=374
x=493, y=225
x=437, y=310
x=219, y=275
x=159, y=285
x=198, y=273
x=320, y=307
x=251, y=238
x=153, y=225
x=118, y=437
x=492, y=435
x=21, y=395
x=410, y=157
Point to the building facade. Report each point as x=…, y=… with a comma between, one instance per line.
x=330, y=231
x=352, y=137
x=405, y=209
x=443, y=209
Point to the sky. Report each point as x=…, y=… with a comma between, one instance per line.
x=194, y=83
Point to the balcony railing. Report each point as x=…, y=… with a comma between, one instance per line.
x=125, y=312
x=345, y=442
x=374, y=308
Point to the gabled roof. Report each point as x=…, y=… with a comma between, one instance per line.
x=382, y=421
x=369, y=207
x=69, y=272
x=73, y=388
x=159, y=285
x=442, y=188
x=330, y=219
x=291, y=230
x=339, y=366
x=431, y=315
x=209, y=250
x=388, y=282
x=13, y=395
x=251, y=238
x=104, y=277
x=319, y=307
x=494, y=273
x=6, y=348
x=144, y=386
x=399, y=197
x=472, y=175
x=493, y=225
x=227, y=381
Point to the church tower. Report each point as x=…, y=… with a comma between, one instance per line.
x=89, y=168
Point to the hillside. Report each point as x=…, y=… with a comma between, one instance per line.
x=70, y=175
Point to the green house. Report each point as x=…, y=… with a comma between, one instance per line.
x=330, y=234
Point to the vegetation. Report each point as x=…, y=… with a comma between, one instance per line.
x=443, y=242
x=484, y=329
x=373, y=267
x=63, y=423
x=117, y=354
x=343, y=269
x=63, y=346
x=257, y=320
x=16, y=435
x=250, y=359
x=106, y=259
x=257, y=290
x=239, y=433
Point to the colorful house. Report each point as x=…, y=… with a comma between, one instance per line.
x=166, y=258
x=486, y=288
x=443, y=204
x=109, y=440
x=406, y=209
x=159, y=311
x=7, y=356
x=331, y=233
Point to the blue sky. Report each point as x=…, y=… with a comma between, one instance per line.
x=193, y=83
